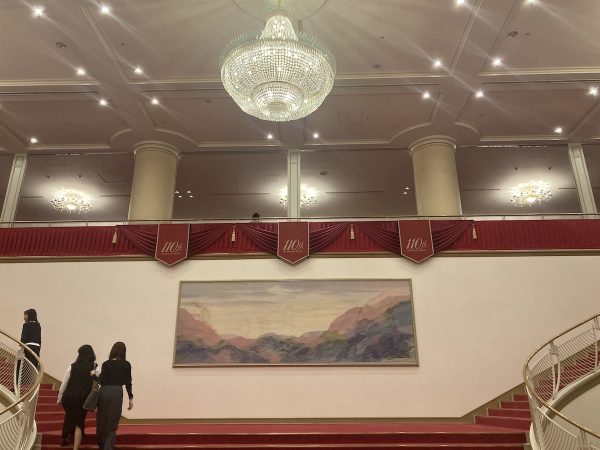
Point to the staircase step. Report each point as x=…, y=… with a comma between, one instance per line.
x=505, y=422
x=505, y=412
x=53, y=425
x=520, y=398
x=514, y=405
x=310, y=446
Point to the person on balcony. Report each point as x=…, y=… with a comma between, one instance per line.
x=115, y=373
x=76, y=385
x=31, y=335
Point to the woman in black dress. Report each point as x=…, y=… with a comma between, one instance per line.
x=115, y=373
x=31, y=335
x=74, y=389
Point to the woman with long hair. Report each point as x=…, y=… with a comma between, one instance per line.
x=31, y=335
x=74, y=389
x=115, y=373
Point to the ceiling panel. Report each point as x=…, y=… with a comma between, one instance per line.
x=5, y=168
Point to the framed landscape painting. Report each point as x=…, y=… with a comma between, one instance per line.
x=295, y=322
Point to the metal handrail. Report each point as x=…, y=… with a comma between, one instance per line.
x=20, y=380
x=549, y=433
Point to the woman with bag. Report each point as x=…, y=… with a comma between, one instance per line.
x=74, y=390
x=115, y=373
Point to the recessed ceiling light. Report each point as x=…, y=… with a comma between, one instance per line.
x=558, y=130
x=426, y=94
x=316, y=135
x=179, y=196
x=38, y=11
x=437, y=63
x=496, y=62
x=105, y=9
x=188, y=192
x=80, y=71
x=191, y=196
x=460, y=2
x=531, y=2
x=154, y=101
x=103, y=102
x=479, y=94
x=593, y=91
x=407, y=188
x=177, y=192
x=405, y=193
x=138, y=70
x=33, y=140
x=269, y=136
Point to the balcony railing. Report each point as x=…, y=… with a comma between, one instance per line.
x=557, y=367
x=19, y=388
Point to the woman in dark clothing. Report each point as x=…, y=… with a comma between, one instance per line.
x=31, y=335
x=74, y=389
x=115, y=373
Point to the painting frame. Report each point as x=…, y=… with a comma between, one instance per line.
x=413, y=362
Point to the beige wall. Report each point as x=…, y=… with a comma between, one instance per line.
x=477, y=320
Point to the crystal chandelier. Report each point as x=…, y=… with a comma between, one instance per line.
x=72, y=201
x=278, y=74
x=530, y=193
x=308, y=197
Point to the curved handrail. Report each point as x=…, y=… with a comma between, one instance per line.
x=20, y=380
x=540, y=405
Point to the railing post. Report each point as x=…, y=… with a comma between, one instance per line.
x=555, y=369
x=582, y=442
x=18, y=371
x=596, y=328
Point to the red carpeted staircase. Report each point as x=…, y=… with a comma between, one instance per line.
x=503, y=429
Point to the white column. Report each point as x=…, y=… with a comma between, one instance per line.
x=582, y=179
x=293, y=188
x=436, y=179
x=154, y=176
x=13, y=190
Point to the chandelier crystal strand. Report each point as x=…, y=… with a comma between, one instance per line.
x=530, y=193
x=278, y=74
x=71, y=201
x=308, y=197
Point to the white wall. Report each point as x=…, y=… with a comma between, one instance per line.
x=477, y=320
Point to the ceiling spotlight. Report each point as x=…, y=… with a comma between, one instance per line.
x=33, y=140
x=316, y=135
x=179, y=196
x=405, y=193
x=80, y=71
x=177, y=192
x=426, y=95
x=269, y=136
x=558, y=130
x=138, y=70
x=437, y=63
x=531, y=2
x=593, y=91
x=460, y=2
x=479, y=94
x=497, y=62
x=407, y=188
x=103, y=102
x=38, y=11
x=154, y=101
x=105, y=9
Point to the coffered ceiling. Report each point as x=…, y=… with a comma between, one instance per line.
x=385, y=51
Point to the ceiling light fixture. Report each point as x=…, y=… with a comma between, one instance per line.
x=593, y=91
x=38, y=11
x=479, y=94
x=496, y=62
x=437, y=63
x=460, y=2
x=154, y=101
x=278, y=74
x=105, y=9
x=138, y=70
x=103, y=102
x=308, y=197
x=316, y=135
x=558, y=130
x=531, y=2
x=530, y=193
x=71, y=201
x=80, y=71
x=33, y=140
x=269, y=136
x=426, y=95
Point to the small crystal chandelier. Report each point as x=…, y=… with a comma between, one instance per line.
x=72, y=201
x=308, y=197
x=278, y=74
x=530, y=193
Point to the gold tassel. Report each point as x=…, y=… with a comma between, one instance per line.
x=351, y=231
x=474, y=231
x=233, y=234
x=115, y=236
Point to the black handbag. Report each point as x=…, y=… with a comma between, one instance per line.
x=91, y=401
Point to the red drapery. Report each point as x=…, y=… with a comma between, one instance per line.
x=332, y=237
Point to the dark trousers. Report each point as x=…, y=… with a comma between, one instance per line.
x=110, y=405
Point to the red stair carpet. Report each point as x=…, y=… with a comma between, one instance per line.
x=503, y=429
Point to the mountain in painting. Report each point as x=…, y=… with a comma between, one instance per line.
x=380, y=331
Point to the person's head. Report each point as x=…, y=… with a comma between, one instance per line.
x=118, y=351
x=30, y=315
x=86, y=354
x=256, y=217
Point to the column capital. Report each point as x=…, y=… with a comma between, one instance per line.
x=431, y=140
x=156, y=146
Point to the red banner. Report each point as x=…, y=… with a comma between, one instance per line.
x=416, y=242
x=172, y=243
x=293, y=241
